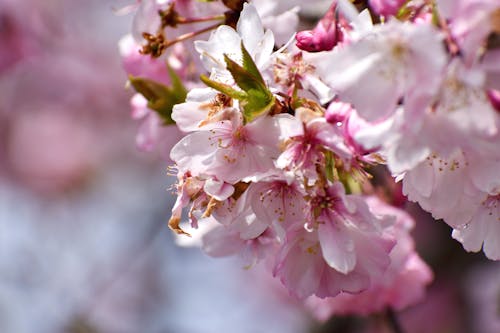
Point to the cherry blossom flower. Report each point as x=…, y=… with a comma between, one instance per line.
x=342, y=249
x=471, y=22
x=227, y=41
x=483, y=229
x=375, y=71
x=202, y=106
x=234, y=151
x=401, y=285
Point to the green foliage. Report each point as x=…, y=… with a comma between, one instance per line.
x=161, y=98
x=254, y=96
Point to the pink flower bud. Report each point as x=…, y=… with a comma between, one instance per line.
x=386, y=7
x=494, y=96
x=323, y=37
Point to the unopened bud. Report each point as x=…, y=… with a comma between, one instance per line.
x=494, y=96
x=386, y=7
x=323, y=37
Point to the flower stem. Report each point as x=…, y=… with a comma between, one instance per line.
x=185, y=20
x=191, y=35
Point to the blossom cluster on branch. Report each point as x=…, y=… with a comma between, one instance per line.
x=282, y=130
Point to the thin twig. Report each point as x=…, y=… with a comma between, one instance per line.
x=191, y=35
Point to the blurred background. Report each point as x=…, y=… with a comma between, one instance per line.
x=84, y=246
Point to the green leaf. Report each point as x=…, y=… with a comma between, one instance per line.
x=161, y=98
x=224, y=88
x=258, y=103
x=250, y=65
x=255, y=98
x=259, y=99
x=177, y=85
x=243, y=77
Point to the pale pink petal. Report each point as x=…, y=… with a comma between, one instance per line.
x=218, y=189
x=249, y=27
x=338, y=247
x=190, y=114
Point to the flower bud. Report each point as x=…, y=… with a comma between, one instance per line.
x=323, y=37
x=494, y=97
x=386, y=7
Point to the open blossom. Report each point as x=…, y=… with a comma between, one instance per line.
x=226, y=41
x=279, y=16
x=232, y=151
x=290, y=70
x=343, y=248
x=461, y=117
x=383, y=65
x=276, y=162
x=279, y=202
x=202, y=106
x=304, y=152
x=470, y=22
x=483, y=229
x=222, y=241
x=401, y=285
x=462, y=190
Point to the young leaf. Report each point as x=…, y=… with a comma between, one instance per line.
x=254, y=96
x=243, y=78
x=160, y=97
x=259, y=99
x=250, y=65
x=258, y=103
x=224, y=88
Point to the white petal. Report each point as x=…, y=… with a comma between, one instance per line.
x=250, y=28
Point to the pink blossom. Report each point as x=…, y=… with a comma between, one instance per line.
x=202, y=106
x=223, y=241
x=462, y=190
x=232, y=151
x=413, y=132
x=226, y=41
x=342, y=249
x=304, y=152
x=290, y=69
x=483, y=229
x=383, y=65
x=471, y=21
x=349, y=122
x=443, y=187
x=303, y=270
x=401, y=285
x=279, y=16
x=279, y=203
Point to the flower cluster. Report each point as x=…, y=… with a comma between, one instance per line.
x=283, y=130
